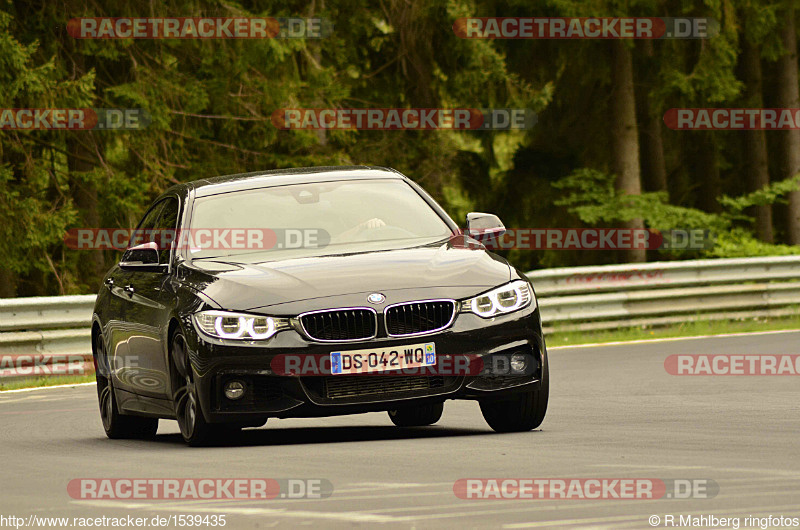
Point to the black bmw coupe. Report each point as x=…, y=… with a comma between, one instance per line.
x=312, y=292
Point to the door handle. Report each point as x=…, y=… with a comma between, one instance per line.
x=129, y=289
x=109, y=281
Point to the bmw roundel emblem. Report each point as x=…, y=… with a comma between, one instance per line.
x=376, y=298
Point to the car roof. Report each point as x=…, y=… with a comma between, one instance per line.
x=282, y=177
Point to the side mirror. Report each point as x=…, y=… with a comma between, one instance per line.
x=142, y=257
x=483, y=226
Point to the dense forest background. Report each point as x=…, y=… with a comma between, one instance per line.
x=600, y=154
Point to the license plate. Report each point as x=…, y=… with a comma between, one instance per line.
x=383, y=359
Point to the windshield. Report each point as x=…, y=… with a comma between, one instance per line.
x=315, y=219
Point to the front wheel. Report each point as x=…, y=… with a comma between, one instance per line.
x=522, y=413
x=195, y=430
x=116, y=425
x=418, y=416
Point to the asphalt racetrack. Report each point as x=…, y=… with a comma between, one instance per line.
x=614, y=413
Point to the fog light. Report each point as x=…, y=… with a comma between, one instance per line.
x=519, y=362
x=234, y=390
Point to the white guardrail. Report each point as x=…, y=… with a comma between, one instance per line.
x=571, y=299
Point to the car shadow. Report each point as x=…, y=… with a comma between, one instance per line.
x=317, y=435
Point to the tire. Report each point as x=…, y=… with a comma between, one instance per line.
x=195, y=430
x=525, y=412
x=117, y=426
x=417, y=416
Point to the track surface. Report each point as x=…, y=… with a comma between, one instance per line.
x=614, y=412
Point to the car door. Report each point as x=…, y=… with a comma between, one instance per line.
x=150, y=299
x=115, y=329
x=119, y=330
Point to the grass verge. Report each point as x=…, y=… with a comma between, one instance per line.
x=685, y=329
x=34, y=382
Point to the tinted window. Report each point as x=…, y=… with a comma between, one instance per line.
x=349, y=216
x=144, y=232
x=165, y=226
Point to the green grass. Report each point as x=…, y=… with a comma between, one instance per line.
x=686, y=329
x=34, y=382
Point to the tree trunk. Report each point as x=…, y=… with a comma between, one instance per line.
x=417, y=57
x=81, y=151
x=654, y=167
x=789, y=98
x=8, y=283
x=707, y=170
x=624, y=134
x=84, y=195
x=756, y=166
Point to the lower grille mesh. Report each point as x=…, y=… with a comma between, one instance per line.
x=365, y=385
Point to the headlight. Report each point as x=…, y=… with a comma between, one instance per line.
x=238, y=326
x=505, y=299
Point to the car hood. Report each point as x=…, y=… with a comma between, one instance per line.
x=439, y=271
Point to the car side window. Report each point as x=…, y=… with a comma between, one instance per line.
x=166, y=228
x=144, y=232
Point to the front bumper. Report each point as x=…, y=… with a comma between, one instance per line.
x=271, y=394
